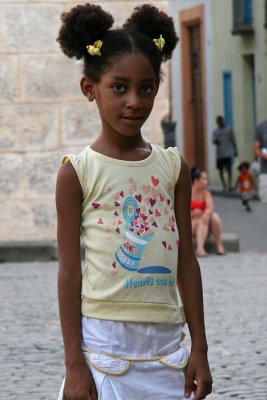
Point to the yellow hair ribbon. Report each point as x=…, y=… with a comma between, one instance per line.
x=160, y=42
x=94, y=50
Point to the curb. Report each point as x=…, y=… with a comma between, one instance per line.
x=31, y=251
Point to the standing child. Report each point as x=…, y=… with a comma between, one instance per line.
x=120, y=317
x=245, y=183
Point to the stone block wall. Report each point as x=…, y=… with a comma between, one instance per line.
x=43, y=114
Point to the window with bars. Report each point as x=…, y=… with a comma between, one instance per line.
x=242, y=17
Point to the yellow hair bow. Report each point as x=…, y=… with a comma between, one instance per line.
x=94, y=50
x=160, y=42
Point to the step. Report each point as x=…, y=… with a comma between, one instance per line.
x=230, y=241
x=30, y=251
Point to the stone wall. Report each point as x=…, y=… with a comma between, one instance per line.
x=43, y=113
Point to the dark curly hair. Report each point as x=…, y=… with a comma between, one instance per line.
x=84, y=24
x=195, y=173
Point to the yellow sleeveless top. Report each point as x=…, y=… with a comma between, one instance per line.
x=130, y=236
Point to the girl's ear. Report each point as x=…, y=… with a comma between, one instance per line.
x=88, y=88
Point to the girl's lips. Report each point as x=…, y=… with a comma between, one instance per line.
x=132, y=120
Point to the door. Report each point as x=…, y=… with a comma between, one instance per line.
x=196, y=95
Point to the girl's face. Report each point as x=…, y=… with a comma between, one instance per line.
x=125, y=95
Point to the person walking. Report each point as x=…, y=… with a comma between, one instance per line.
x=224, y=139
x=260, y=151
x=130, y=200
x=246, y=184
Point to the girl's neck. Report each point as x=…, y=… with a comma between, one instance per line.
x=125, y=148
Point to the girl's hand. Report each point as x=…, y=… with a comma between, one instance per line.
x=79, y=385
x=197, y=377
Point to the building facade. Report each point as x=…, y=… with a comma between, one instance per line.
x=43, y=114
x=220, y=68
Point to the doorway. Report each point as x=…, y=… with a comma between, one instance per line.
x=193, y=83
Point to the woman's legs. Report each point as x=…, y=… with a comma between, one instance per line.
x=216, y=230
x=201, y=233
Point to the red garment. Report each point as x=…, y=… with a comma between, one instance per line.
x=245, y=182
x=200, y=205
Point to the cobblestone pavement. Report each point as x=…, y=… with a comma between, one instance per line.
x=236, y=320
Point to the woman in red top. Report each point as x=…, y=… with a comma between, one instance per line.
x=204, y=219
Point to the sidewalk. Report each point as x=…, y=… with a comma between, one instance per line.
x=250, y=227
x=241, y=229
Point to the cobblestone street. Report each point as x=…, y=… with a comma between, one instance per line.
x=235, y=304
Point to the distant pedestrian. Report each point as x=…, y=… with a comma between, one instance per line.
x=168, y=127
x=226, y=149
x=260, y=151
x=245, y=183
x=260, y=145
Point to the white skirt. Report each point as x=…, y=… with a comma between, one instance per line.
x=134, y=360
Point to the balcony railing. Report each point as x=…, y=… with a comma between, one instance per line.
x=242, y=17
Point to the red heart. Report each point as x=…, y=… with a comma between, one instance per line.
x=150, y=212
x=169, y=247
x=100, y=221
x=122, y=194
x=155, y=224
x=161, y=197
x=164, y=243
x=157, y=213
x=114, y=264
x=152, y=202
x=116, y=204
x=138, y=197
x=118, y=230
x=96, y=205
x=115, y=213
x=155, y=181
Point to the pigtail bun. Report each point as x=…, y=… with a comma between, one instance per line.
x=152, y=22
x=81, y=26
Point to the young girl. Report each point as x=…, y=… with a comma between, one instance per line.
x=129, y=199
x=245, y=183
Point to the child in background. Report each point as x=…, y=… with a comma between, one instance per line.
x=130, y=200
x=245, y=183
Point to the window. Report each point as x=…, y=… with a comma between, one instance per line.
x=227, y=98
x=242, y=17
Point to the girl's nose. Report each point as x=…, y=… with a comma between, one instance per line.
x=134, y=101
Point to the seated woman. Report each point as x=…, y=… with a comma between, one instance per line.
x=204, y=219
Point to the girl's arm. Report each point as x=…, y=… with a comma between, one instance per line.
x=190, y=289
x=79, y=383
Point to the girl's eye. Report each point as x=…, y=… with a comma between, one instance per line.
x=119, y=87
x=147, y=89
